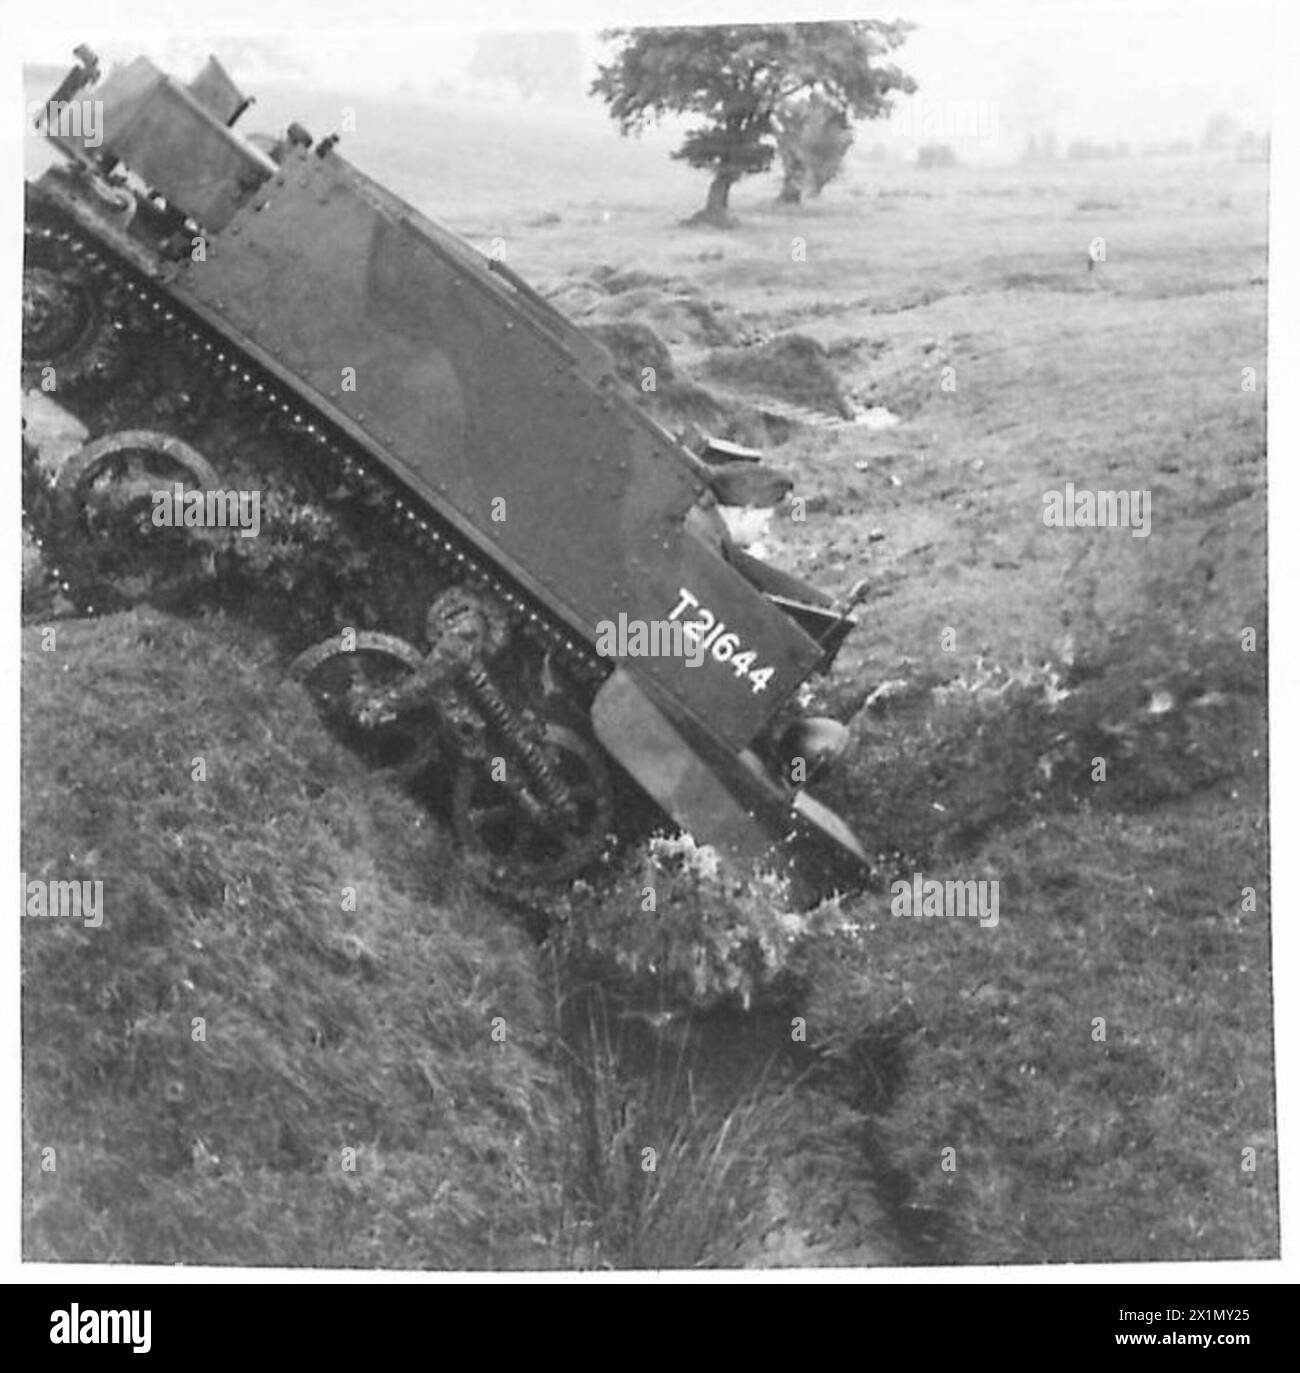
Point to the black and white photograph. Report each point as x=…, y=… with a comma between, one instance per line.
x=645, y=642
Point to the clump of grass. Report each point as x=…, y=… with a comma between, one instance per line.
x=675, y=1164
x=710, y=1180
x=635, y=346
x=673, y=922
x=675, y=314
x=790, y=367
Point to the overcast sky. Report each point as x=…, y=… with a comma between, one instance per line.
x=1138, y=70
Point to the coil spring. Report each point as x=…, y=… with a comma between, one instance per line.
x=494, y=707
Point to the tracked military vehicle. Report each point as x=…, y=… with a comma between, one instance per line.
x=229, y=313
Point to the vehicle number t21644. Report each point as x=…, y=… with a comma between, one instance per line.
x=723, y=645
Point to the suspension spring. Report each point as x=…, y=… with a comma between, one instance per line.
x=495, y=708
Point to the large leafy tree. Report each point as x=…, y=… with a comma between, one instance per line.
x=738, y=77
x=812, y=139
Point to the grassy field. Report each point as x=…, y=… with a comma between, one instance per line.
x=997, y=659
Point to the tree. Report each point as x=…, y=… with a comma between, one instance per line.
x=738, y=77
x=812, y=139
